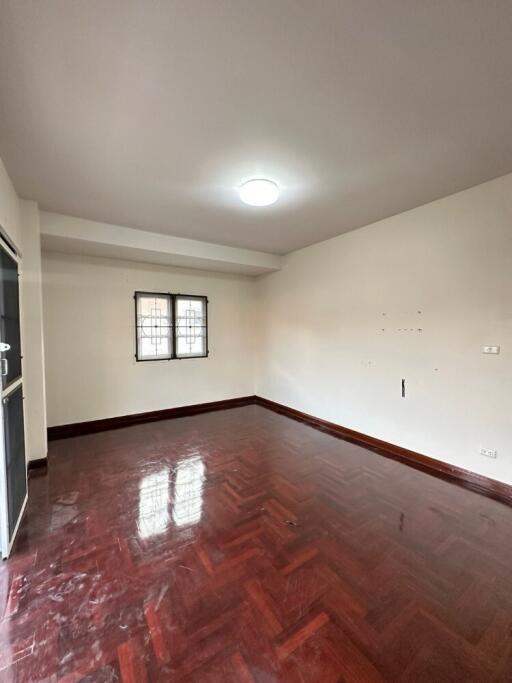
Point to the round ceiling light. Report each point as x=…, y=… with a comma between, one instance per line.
x=259, y=192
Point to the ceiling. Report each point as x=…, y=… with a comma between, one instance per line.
x=151, y=114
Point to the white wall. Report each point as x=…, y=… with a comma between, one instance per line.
x=20, y=222
x=324, y=351
x=9, y=208
x=91, y=371
x=332, y=333
x=32, y=332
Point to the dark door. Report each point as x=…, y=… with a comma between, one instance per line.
x=13, y=469
x=9, y=319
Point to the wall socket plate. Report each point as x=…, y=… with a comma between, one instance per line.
x=489, y=452
x=490, y=349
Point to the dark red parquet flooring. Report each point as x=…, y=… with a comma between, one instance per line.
x=242, y=546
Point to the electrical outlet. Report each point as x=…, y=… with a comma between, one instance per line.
x=491, y=349
x=488, y=452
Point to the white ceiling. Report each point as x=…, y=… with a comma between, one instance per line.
x=150, y=114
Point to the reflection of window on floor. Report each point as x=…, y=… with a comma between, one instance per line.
x=153, y=503
x=188, y=492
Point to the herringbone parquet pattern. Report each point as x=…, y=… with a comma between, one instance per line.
x=244, y=546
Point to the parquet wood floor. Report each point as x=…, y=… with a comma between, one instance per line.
x=242, y=546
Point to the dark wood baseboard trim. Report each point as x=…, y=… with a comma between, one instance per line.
x=37, y=468
x=457, y=475
x=93, y=426
x=469, y=480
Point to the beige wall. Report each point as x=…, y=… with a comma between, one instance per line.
x=32, y=332
x=340, y=329
x=19, y=219
x=91, y=371
x=9, y=208
x=333, y=333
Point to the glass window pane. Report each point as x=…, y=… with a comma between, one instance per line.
x=190, y=326
x=154, y=322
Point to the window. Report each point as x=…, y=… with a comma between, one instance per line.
x=190, y=337
x=170, y=326
x=154, y=326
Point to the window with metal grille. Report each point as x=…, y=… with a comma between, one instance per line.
x=170, y=326
x=190, y=327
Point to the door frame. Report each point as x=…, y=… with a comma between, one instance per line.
x=6, y=541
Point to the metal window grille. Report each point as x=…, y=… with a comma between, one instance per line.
x=170, y=326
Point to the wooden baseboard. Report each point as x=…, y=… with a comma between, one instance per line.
x=469, y=480
x=93, y=426
x=37, y=468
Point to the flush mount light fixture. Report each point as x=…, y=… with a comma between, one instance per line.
x=259, y=192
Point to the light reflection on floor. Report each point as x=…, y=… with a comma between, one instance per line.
x=187, y=497
x=188, y=491
x=154, y=503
